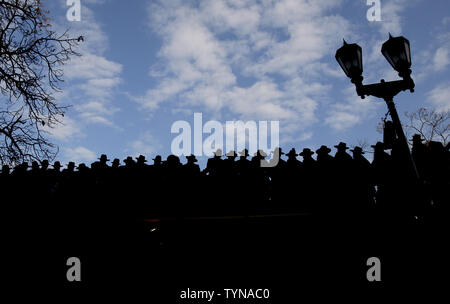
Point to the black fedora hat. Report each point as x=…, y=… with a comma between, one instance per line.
x=244, y=153
x=141, y=159
x=82, y=166
x=129, y=159
x=306, y=151
x=378, y=145
x=103, y=157
x=341, y=145
x=191, y=158
x=357, y=150
x=417, y=137
x=292, y=152
x=323, y=149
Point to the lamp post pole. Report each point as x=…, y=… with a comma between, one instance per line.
x=401, y=135
x=397, y=52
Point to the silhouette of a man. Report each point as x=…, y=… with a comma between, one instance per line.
x=292, y=161
x=191, y=169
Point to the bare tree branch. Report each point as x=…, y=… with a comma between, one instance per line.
x=31, y=60
x=430, y=124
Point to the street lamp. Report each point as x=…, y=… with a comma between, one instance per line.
x=397, y=52
x=349, y=58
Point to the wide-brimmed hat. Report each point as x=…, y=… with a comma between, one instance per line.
x=104, y=158
x=378, y=145
x=191, y=158
x=157, y=158
x=82, y=166
x=141, y=159
x=129, y=159
x=357, y=150
x=306, y=151
x=292, y=152
x=56, y=164
x=231, y=153
x=341, y=145
x=417, y=137
x=116, y=161
x=244, y=153
x=71, y=164
x=323, y=149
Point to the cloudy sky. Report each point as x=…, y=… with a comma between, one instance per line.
x=147, y=64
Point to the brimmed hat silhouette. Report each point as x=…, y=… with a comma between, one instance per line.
x=306, y=151
x=417, y=137
x=157, y=158
x=357, y=150
x=341, y=145
x=292, y=153
x=82, y=166
x=128, y=160
x=103, y=158
x=141, y=159
x=191, y=158
x=116, y=161
x=378, y=145
x=56, y=164
x=244, y=153
x=323, y=150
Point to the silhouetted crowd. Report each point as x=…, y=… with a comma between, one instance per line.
x=234, y=183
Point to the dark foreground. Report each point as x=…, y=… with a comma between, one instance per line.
x=292, y=255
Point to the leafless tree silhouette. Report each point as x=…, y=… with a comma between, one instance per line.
x=31, y=59
x=429, y=123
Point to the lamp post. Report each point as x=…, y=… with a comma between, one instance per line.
x=397, y=52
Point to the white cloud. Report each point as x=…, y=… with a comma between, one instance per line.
x=434, y=58
x=146, y=145
x=347, y=114
x=439, y=97
x=93, y=79
x=340, y=120
x=79, y=154
x=91, y=66
x=446, y=20
x=391, y=18
x=282, y=46
x=64, y=131
x=441, y=59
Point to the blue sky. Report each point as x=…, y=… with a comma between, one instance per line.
x=147, y=64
